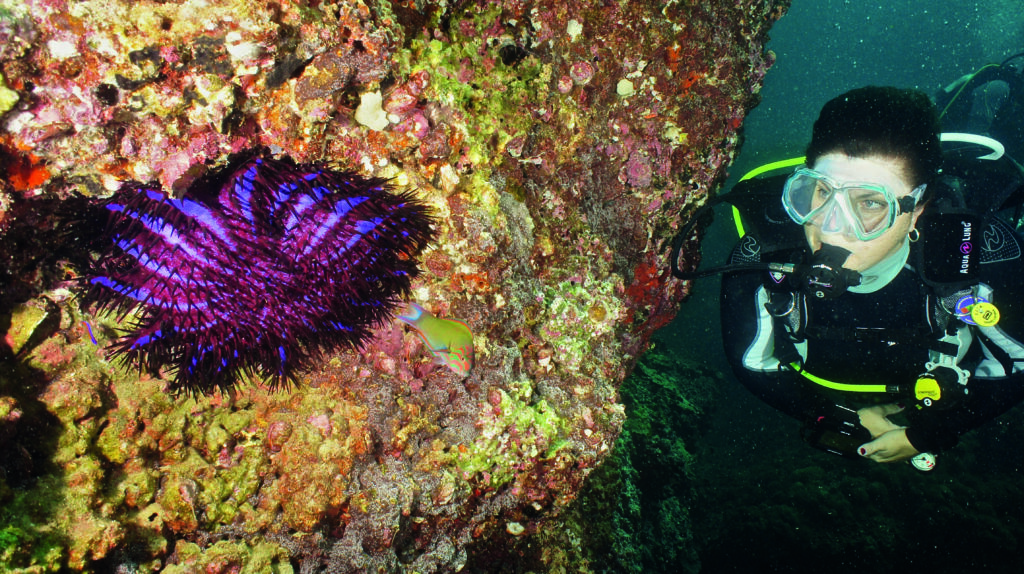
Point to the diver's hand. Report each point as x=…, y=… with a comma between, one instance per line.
x=891, y=446
x=875, y=418
x=890, y=442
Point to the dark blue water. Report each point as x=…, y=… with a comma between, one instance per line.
x=767, y=502
x=826, y=47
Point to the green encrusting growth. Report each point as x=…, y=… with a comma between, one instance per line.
x=634, y=514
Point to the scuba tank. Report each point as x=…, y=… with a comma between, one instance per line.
x=989, y=101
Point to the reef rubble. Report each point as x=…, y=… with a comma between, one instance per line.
x=557, y=143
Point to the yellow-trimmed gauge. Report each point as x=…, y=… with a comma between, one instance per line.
x=984, y=314
x=975, y=310
x=927, y=390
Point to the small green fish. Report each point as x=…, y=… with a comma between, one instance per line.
x=450, y=340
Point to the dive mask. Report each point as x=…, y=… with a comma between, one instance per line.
x=864, y=210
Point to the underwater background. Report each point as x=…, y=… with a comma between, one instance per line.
x=385, y=461
x=762, y=500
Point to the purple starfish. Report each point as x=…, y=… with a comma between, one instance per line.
x=258, y=270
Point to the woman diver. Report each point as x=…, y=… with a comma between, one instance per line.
x=878, y=355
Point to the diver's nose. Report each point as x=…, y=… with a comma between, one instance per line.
x=832, y=220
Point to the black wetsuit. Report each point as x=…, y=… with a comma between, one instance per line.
x=880, y=338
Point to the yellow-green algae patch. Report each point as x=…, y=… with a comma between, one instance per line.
x=8, y=97
x=257, y=558
x=515, y=433
x=576, y=315
x=134, y=465
x=465, y=77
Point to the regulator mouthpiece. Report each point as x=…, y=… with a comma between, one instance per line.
x=824, y=277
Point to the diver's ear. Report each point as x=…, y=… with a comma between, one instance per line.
x=915, y=214
x=919, y=206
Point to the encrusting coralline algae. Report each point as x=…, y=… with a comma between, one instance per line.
x=554, y=188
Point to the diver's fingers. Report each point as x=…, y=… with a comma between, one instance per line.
x=891, y=408
x=881, y=410
x=873, y=419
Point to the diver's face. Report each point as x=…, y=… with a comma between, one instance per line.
x=879, y=170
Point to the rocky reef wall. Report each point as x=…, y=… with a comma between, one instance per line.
x=558, y=144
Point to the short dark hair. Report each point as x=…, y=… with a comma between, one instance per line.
x=881, y=121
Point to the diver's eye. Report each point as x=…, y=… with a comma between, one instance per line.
x=871, y=205
x=822, y=192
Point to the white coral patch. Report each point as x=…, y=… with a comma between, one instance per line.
x=62, y=49
x=370, y=113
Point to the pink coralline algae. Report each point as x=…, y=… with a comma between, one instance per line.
x=638, y=170
x=556, y=147
x=581, y=72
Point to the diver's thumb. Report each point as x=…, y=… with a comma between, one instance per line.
x=867, y=449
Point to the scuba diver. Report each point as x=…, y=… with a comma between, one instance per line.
x=888, y=311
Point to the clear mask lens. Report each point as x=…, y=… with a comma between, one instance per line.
x=861, y=209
